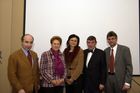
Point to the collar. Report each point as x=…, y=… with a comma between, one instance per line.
x=92, y=49
x=115, y=47
x=25, y=51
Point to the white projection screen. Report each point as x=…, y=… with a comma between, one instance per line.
x=46, y=18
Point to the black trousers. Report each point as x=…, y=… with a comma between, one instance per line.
x=75, y=87
x=57, y=89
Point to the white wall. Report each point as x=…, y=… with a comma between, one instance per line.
x=46, y=18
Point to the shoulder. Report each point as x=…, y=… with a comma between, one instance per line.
x=33, y=52
x=85, y=50
x=15, y=56
x=100, y=51
x=45, y=53
x=16, y=53
x=65, y=50
x=106, y=49
x=81, y=51
x=123, y=47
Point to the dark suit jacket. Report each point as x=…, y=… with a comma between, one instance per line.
x=95, y=74
x=123, y=64
x=20, y=72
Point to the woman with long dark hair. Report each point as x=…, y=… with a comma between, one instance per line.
x=74, y=59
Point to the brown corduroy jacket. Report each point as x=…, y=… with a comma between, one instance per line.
x=21, y=74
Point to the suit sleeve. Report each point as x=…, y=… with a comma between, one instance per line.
x=12, y=70
x=128, y=66
x=37, y=73
x=103, y=69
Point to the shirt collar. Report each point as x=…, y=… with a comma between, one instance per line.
x=25, y=51
x=115, y=47
x=92, y=49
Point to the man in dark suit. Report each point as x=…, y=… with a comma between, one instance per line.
x=94, y=72
x=119, y=66
x=23, y=71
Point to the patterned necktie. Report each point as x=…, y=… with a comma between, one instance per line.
x=111, y=64
x=29, y=57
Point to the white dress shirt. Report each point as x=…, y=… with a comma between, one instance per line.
x=88, y=57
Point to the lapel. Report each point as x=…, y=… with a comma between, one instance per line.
x=24, y=58
x=108, y=55
x=86, y=54
x=91, y=58
x=34, y=59
x=85, y=57
x=117, y=54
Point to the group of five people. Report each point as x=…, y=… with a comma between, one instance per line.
x=91, y=70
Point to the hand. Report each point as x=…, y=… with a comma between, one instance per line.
x=101, y=86
x=125, y=87
x=38, y=87
x=61, y=81
x=69, y=81
x=21, y=91
x=57, y=82
x=54, y=82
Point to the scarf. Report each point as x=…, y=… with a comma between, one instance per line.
x=58, y=65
